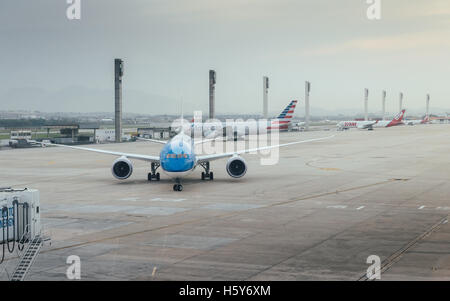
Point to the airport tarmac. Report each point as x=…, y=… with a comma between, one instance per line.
x=316, y=215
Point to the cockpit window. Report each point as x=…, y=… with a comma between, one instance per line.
x=175, y=156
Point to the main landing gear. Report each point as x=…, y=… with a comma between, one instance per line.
x=178, y=186
x=154, y=174
x=207, y=174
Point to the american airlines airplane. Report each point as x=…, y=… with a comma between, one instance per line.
x=177, y=159
x=242, y=128
x=370, y=124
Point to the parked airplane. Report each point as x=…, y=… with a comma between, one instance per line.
x=344, y=125
x=426, y=119
x=398, y=120
x=242, y=128
x=370, y=124
x=299, y=124
x=178, y=159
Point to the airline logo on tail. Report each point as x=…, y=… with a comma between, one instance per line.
x=284, y=119
x=426, y=119
x=397, y=119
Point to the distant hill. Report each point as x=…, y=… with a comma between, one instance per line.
x=83, y=99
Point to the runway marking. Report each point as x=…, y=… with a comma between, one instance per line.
x=167, y=200
x=400, y=179
x=421, y=207
x=154, y=272
x=337, y=206
x=321, y=168
x=129, y=199
x=329, y=169
x=361, y=207
x=442, y=208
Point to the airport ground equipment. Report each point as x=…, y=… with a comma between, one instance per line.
x=20, y=225
x=27, y=260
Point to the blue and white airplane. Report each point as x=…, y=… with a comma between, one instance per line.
x=178, y=159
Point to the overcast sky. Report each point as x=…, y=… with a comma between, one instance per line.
x=54, y=64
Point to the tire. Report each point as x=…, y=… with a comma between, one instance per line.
x=175, y=188
x=149, y=177
x=157, y=177
x=180, y=187
x=211, y=176
x=203, y=176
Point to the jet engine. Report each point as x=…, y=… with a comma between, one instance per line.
x=122, y=168
x=236, y=167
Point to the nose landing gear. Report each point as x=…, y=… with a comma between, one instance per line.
x=178, y=186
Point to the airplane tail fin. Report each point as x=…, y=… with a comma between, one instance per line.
x=284, y=119
x=397, y=119
x=426, y=119
x=288, y=112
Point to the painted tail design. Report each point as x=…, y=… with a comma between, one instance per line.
x=284, y=119
x=397, y=119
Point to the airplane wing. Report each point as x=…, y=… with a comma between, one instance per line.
x=213, y=157
x=128, y=155
x=369, y=125
x=152, y=140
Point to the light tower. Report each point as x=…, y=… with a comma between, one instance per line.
x=265, y=96
x=383, y=105
x=307, y=91
x=428, y=105
x=118, y=73
x=400, y=102
x=366, y=104
x=212, y=88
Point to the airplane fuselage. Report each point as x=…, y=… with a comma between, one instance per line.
x=178, y=157
x=355, y=124
x=239, y=128
x=415, y=121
